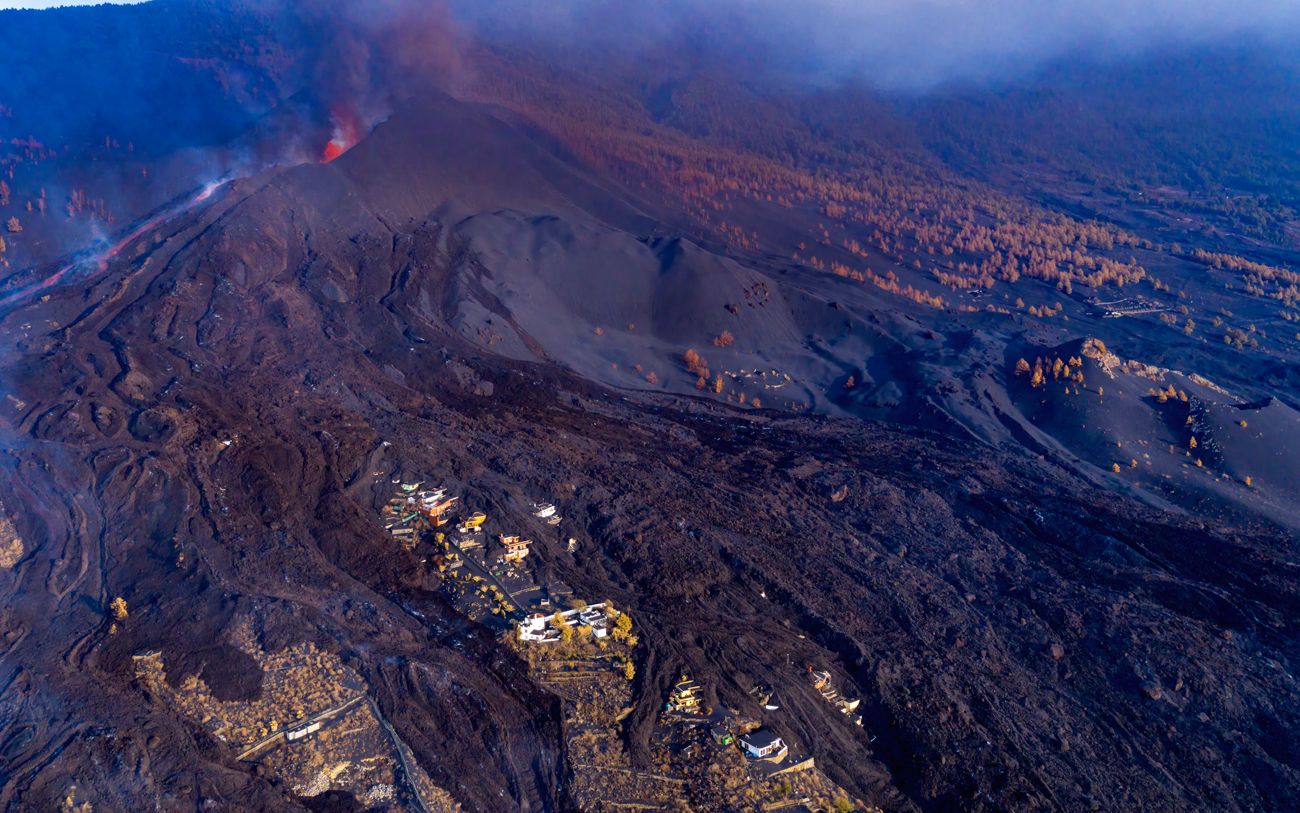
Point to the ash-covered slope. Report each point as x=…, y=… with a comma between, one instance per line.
x=1169, y=433
x=208, y=429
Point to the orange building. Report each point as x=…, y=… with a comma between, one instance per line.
x=516, y=548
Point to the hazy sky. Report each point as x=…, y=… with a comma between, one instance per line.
x=895, y=43
x=907, y=43
x=4, y=4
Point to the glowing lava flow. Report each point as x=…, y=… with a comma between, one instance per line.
x=102, y=260
x=348, y=130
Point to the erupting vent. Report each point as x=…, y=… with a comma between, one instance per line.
x=347, y=132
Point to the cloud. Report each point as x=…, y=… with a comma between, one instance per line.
x=902, y=44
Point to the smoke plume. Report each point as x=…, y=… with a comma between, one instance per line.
x=895, y=44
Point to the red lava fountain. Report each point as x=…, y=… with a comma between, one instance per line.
x=347, y=132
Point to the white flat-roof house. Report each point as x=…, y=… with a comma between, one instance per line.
x=763, y=744
x=299, y=733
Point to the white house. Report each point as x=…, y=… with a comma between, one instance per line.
x=763, y=744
